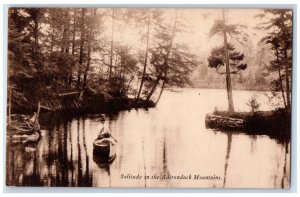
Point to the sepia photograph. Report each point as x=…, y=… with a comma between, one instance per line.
x=111, y=97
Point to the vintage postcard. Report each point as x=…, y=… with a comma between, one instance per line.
x=149, y=97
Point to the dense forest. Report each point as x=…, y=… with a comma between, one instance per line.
x=73, y=58
x=68, y=58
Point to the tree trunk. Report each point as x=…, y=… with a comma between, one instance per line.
x=68, y=41
x=128, y=85
x=52, y=40
x=87, y=66
x=65, y=38
x=153, y=88
x=9, y=105
x=81, y=47
x=90, y=38
x=280, y=78
x=137, y=85
x=166, y=59
x=73, y=43
x=286, y=63
x=111, y=42
x=36, y=30
x=228, y=78
x=73, y=33
x=146, y=57
x=161, y=91
x=287, y=81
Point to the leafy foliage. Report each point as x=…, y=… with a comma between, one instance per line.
x=52, y=51
x=279, y=40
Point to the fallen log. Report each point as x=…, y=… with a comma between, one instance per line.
x=215, y=121
x=68, y=93
x=47, y=108
x=24, y=138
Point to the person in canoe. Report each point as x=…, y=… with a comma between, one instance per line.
x=104, y=134
x=103, y=143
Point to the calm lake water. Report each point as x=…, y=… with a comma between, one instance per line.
x=166, y=141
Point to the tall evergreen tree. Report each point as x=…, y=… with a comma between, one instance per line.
x=234, y=31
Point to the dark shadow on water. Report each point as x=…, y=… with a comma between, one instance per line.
x=83, y=180
x=165, y=161
x=285, y=176
x=22, y=165
x=228, y=149
x=51, y=161
x=253, y=139
x=79, y=165
x=87, y=178
x=253, y=135
x=71, y=162
x=104, y=165
x=33, y=178
x=144, y=161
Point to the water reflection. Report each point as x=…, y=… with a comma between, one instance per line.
x=229, y=140
x=285, y=178
x=169, y=140
x=253, y=139
x=144, y=161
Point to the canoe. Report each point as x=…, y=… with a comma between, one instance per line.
x=104, y=162
x=103, y=149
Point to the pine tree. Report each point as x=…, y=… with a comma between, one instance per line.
x=234, y=31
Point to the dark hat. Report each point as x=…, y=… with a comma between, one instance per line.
x=102, y=117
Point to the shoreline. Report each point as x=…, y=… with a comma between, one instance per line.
x=233, y=88
x=109, y=107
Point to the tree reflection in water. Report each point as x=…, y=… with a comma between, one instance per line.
x=166, y=140
x=228, y=149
